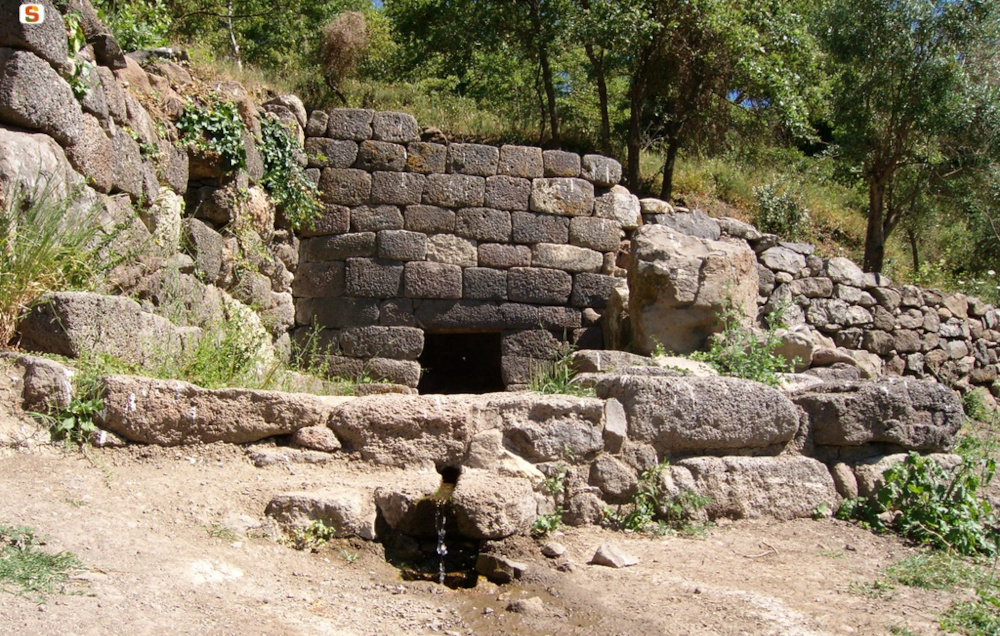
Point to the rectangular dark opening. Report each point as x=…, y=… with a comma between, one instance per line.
x=461, y=363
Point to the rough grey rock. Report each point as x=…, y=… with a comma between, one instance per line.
x=613, y=557
x=559, y=163
x=601, y=171
x=488, y=506
x=398, y=430
x=615, y=479
x=82, y=323
x=91, y=155
x=34, y=96
x=171, y=412
x=454, y=190
x=394, y=127
x=318, y=438
x=679, y=285
x=914, y=414
x=350, y=511
x=349, y=123
x=693, y=414
x=564, y=196
x=426, y=158
x=504, y=192
x=739, y=229
x=206, y=246
x=47, y=39
x=782, y=259
x=694, y=223
x=46, y=383
x=474, y=159
x=756, y=487
x=520, y=161
x=566, y=257
x=499, y=569
x=545, y=428
x=619, y=205
x=539, y=228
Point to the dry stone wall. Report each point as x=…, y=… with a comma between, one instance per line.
x=418, y=237
x=836, y=313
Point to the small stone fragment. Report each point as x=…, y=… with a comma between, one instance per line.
x=553, y=549
x=613, y=557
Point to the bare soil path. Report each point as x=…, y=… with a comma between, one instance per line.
x=175, y=541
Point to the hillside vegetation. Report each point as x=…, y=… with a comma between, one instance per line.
x=867, y=127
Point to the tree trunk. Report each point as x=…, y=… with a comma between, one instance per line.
x=597, y=61
x=543, y=61
x=232, y=36
x=668, y=168
x=912, y=236
x=875, y=237
x=633, y=177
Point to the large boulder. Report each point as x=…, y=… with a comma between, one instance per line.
x=913, y=414
x=171, y=412
x=409, y=430
x=75, y=324
x=488, y=506
x=34, y=162
x=680, y=284
x=350, y=511
x=685, y=415
x=754, y=487
x=34, y=96
x=46, y=39
x=543, y=428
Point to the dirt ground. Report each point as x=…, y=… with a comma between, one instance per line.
x=174, y=541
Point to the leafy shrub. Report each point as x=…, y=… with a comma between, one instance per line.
x=218, y=129
x=74, y=423
x=923, y=502
x=284, y=179
x=641, y=512
x=740, y=352
x=136, y=25
x=44, y=246
x=779, y=211
x=313, y=535
x=24, y=569
x=344, y=45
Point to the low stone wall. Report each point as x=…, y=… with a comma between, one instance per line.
x=419, y=236
x=837, y=313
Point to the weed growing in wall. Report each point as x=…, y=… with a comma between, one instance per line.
x=284, y=179
x=45, y=246
x=744, y=353
x=216, y=128
x=558, y=377
x=650, y=510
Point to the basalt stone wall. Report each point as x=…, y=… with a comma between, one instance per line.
x=888, y=329
x=418, y=236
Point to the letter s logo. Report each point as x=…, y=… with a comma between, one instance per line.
x=32, y=14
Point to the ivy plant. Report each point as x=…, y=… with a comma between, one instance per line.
x=284, y=179
x=217, y=128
